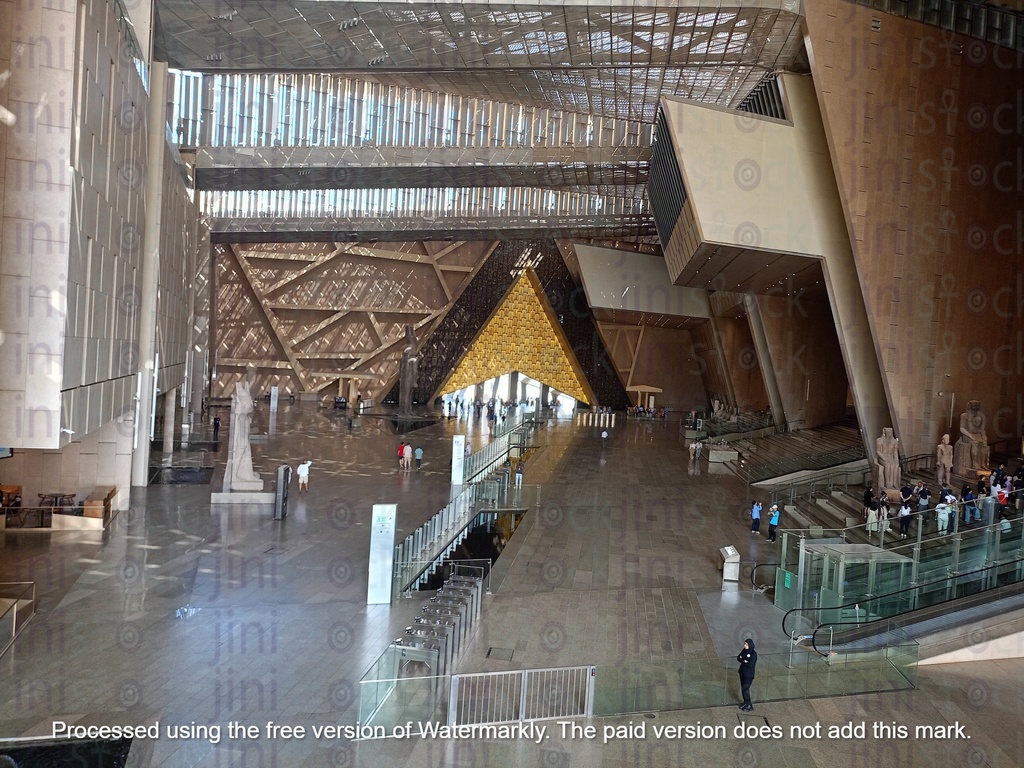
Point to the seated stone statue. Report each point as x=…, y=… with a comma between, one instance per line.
x=971, y=451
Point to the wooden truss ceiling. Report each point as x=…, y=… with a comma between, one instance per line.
x=312, y=316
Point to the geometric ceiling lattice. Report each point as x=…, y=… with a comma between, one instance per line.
x=522, y=335
x=310, y=316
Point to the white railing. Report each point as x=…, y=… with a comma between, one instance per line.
x=527, y=694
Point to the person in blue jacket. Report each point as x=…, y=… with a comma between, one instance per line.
x=773, y=522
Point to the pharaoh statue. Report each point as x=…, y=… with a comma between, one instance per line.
x=407, y=372
x=239, y=474
x=943, y=460
x=971, y=450
x=887, y=451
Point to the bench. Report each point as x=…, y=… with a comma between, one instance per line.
x=97, y=503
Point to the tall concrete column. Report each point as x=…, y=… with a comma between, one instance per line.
x=764, y=359
x=513, y=385
x=169, y=414
x=545, y=391
x=522, y=387
x=478, y=392
x=150, y=269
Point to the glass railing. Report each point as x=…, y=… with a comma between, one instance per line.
x=386, y=703
x=434, y=538
x=416, y=574
x=846, y=621
x=387, y=697
x=699, y=683
x=17, y=606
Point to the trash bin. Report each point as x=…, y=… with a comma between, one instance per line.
x=284, y=479
x=730, y=564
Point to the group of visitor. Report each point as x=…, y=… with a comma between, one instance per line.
x=1007, y=492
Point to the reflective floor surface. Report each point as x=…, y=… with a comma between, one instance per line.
x=183, y=612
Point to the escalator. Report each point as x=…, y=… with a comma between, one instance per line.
x=867, y=623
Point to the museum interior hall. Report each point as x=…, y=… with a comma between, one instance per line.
x=372, y=366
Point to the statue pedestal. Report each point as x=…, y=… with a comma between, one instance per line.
x=962, y=465
x=241, y=497
x=246, y=486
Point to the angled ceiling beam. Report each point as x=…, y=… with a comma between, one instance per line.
x=321, y=327
x=275, y=324
x=320, y=263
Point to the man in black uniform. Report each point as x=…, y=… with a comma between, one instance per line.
x=748, y=660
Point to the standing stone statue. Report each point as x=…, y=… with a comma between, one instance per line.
x=239, y=474
x=943, y=460
x=971, y=450
x=407, y=373
x=888, y=460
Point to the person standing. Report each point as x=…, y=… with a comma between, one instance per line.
x=773, y=522
x=923, y=496
x=419, y=456
x=693, y=449
x=942, y=516
x=883, y=519
x=302, y=472
x=755, y=518
x=872, y=526
x=969, y=509
x=519, y=473
x=904, y=520
x=604, y=438
x=407, y=455
x=401, y=455
x=700, y=447
x=869, y=497
x=216, y=426
x=748, y=662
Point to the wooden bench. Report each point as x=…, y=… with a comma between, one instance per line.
x=97, y=503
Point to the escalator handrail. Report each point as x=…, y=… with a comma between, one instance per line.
x=753, y=570
x=854, y=603
x=866, y=625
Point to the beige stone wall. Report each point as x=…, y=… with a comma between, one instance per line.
x=806, y=359
x=925, y=132
x=100, y=459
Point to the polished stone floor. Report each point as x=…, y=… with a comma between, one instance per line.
x=185, y=613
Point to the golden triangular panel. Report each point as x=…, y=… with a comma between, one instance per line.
x=522, y=335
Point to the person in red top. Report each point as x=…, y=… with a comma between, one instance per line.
x=401, y=455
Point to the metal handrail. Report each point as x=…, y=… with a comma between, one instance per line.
x=809, y=486
x=898, y=592
x=799, y=463
x=753, y=581
x=867, y=627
